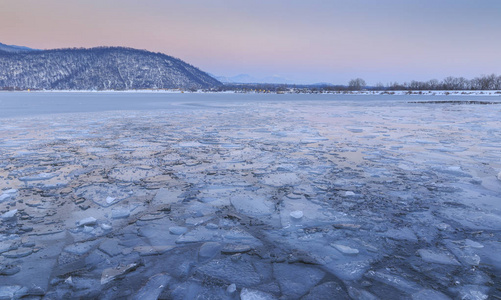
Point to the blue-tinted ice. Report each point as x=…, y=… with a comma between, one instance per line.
x=252, y=197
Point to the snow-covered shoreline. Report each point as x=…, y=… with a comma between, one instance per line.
x=178, y=91
x=429, y=93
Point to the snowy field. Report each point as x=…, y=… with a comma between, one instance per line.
x=228, y=196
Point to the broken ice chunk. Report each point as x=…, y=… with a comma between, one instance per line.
x=209, y=250
x=38, y=177
x=87, y=221
x=88, y=229
x=296, y=280
x=196, y=221
x=429, y=294
x=327, y=290
x=8, y=270
x=354, y=130
x=347, y=226
x=152, y=289
x=253, y=206
x=241, y=272
x=189, y=144
x=236, y=248
x=80, y=248
x=465, y=255
x=110, y=247
x=7, y=194
x=474, y=219
x=360, y=294
x=281, y=179
x=237, y=234
x=178, y=230
x=443, y=226
x=111, y=274
x=18, y=253
x=103, y=193
x=250, y=294
x=69, y=281
x=10, y=214
x=443, y=258
x=120, y=212
x=12, y=291
x=313, y=214
x=297, y=214
x=199, y=234
x=473, y=244
x=110, y=200
x=476, y=292
x=5, y=246
x=403, y=234
x=395, y=281
x=211, y=226
x=152, y=250
x=106, y=226
x=133, y=173
x=345, y=249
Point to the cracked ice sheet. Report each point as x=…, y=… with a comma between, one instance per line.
x=351, y=188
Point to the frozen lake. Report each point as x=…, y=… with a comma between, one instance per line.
x=43, y=103
x=249, y=196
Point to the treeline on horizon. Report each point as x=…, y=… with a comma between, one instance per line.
x=483, y=82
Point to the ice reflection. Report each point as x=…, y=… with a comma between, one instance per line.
x=253, y=201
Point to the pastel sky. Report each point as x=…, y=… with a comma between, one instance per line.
x=305, y=41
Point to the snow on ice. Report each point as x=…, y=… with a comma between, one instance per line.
x=253, y=198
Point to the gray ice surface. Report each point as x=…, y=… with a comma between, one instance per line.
x=228, y=196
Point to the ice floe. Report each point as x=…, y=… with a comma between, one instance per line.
x=311, y=199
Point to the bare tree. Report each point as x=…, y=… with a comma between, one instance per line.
x=484, y=82
x=497, y=83
x=464, y=84
x=356, y=84
x=416, y=85
x=450, y=83
x=434, y=84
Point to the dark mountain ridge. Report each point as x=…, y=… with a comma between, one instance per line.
x=101, y=68
x=14, y=48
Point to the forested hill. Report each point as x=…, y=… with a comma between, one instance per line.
x=103, y=68
x=13, y=48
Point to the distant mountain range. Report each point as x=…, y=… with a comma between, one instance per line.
x=246, y=78
x=15, y=49
x=102, y=68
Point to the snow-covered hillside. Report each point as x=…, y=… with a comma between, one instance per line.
x=13, y=48
x=99, y=69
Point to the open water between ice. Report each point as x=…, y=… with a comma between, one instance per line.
x=249, y=196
